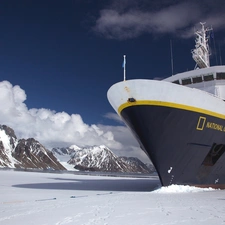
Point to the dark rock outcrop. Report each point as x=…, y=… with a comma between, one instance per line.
x=31, y=154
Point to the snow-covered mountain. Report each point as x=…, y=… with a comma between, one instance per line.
x=99, y=158
x=8, y=142
x=64, y=155
x=23, y=153
x=30, y=153
x=137, y=164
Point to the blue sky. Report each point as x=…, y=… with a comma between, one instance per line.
x=64, y=55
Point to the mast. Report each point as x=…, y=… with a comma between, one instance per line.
x=171, y=53
x=124, y=67
x=201, y=52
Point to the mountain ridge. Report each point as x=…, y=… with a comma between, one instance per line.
x=24, y=153
x=29, y=153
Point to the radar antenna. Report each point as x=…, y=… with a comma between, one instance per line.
x=201, y=52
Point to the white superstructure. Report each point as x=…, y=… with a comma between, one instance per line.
x=204, y=77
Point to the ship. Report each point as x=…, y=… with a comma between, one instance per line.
x=179, y=122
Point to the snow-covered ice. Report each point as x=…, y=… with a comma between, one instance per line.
x=50, y=198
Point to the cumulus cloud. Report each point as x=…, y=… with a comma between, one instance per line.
x=59, y=129
x=131, y=19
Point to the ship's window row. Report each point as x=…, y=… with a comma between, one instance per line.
x=186, y=81
x=176, y=82
x=208, y=77
x=220, y=76
x=199, y=79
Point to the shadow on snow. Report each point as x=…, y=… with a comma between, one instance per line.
x=106, y=184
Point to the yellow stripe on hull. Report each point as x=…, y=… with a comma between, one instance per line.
x=171, y=105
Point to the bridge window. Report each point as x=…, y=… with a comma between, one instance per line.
x=220, y=76
x=186, y=81
x=197, y=79
x=208, y=77
x=176, y=82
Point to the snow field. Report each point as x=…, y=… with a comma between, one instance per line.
x=49, y=198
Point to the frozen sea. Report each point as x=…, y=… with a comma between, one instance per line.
x=53, y=198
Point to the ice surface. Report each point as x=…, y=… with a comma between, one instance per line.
x=49, y=198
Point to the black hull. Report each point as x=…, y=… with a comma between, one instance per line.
x=186, y=147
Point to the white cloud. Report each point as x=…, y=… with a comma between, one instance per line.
x=114, y=116
x=132, y=19
x=59, y=129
